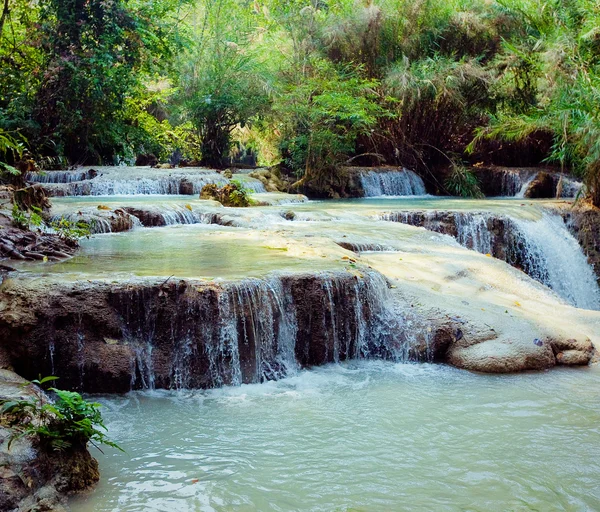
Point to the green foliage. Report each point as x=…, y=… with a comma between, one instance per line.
x=555, y=85
x=462, y=182
x=233, y=194
x=68, y=67
x=10, y=146
x=71, y=231
x=67, y=422
x=221, y=85
x=307, y=83
x=26, y=219
x=321, y=118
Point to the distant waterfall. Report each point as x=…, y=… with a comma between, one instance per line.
x=59, y=176
x=544, y=249
x=140, y=186
x=516, y=183
x=391, y=183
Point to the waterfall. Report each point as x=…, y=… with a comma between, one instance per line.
x=59, y=176
x=252, y=184
x=177, y=334
x=472, y=231
x=391, y=183
x=167, y=185
x=552, y=255
x=569, y=187
x=516, y=183
x=135, y=182
x=511, y=183
x=544, y=249
x=524, y=186
x=127, y=218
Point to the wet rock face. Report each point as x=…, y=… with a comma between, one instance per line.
x=487, y=234
x=147, y=217
x=146, y=159
x=112, y=338
x=99, y=220
x=529, y=182
x=271, y=179
x=543, y=186
x=584, y=223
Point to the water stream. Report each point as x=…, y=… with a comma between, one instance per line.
x=249, y=299
x=391, y=183
x=530, y=235
x=369, y=436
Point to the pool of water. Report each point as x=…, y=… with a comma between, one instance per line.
x=187, y=251
x=369, y=436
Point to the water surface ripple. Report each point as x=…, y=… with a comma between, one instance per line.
x=368, y=436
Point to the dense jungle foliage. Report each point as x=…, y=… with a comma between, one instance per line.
x=434, y=85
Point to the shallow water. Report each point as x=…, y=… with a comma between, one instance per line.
x=368, y=436
x=185, y=251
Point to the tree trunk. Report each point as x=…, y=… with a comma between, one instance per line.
x=3, y=16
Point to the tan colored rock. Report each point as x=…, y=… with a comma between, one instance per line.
x=501, y=356
x=574, y=357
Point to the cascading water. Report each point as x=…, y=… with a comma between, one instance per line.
x=391, y=183
x=59, y=176
x=253, y=185
x=551, y=255
x=568, y=188
x=193, y=334
x=511, y=183
x=170, y=185
x=516, y=183
x=544, y=248
x=523, y=188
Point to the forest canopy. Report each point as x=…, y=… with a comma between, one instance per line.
x=307, y=84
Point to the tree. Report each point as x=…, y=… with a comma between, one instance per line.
x=222, y=85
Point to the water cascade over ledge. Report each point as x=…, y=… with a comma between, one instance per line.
x=391, y=183
x=544, y=249
x=108, y=181
x=187, y=334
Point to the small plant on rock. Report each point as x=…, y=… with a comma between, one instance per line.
x=232, y=194
x=462, y=182
x=28, y=218
x=70, y=231
x=68, y=422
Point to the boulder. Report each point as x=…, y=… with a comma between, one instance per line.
x=542, y=186
x=146, y=159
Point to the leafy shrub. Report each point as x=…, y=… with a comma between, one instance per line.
x=11, y=147
x=69, y=421
x=71, y=231
x=322, y=117
x=232, y=194
x=462, y=182
x=28, y=218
